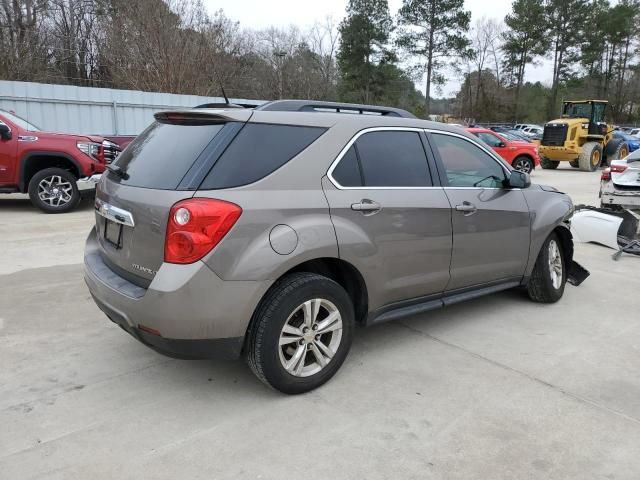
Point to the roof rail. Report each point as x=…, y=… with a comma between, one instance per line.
x=335, y=107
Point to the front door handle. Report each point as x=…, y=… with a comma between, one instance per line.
x=366, y=206
x=467, y=208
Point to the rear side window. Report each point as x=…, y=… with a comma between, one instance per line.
x=347, y=173
x=393, y=159
x=161, y=155
x=258, y=150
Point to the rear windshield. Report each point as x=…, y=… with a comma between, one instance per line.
x=161, y=155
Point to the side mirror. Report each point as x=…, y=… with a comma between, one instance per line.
x=519, y=179
x=5, y=132
x=500, y=145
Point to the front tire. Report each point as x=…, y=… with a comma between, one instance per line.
x=549, y=275
x=301, y=333
x=54, y=190
x=590, y=157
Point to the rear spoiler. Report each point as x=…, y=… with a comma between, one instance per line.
x=203, y=116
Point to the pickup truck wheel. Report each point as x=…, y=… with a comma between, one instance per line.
x=523, y=164
x=549, y=275
x=547, y=164
x=54, y=190
x=301, y=333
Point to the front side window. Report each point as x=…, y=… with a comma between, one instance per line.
x=467, y=165
x=490, y=139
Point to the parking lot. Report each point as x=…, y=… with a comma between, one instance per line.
x=495, y=388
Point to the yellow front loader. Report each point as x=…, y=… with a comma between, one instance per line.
x=581, y=137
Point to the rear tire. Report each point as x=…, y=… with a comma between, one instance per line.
x=574, y=163
x=621, y=151
x=293, y=312
x=523, y=163
x=549, y=275
x=590, y=157
x=54, y=190
x=547, y=164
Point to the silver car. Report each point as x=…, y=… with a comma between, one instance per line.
x=271, y=233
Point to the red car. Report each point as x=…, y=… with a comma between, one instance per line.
x=520, y=154
x=48, y=166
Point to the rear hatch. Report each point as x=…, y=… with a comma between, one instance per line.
x=163, y=165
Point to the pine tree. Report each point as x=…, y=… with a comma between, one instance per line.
x=525, y=39
x=432, y=31
x=364, y=35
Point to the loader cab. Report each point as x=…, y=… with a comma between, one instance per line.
x=592, y=110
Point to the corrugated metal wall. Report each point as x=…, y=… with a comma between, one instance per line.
x=103, y=111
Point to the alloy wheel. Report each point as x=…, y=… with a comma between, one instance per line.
x=522, y=165
x=55, y=191
x=310, y=337
x=555, y=264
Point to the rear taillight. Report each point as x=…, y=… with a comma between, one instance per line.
x=606, y=173
x=196, y=226
x=618, y=168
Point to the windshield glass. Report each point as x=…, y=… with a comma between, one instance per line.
x=510, y=136
x=20, y=122
x=578, y=110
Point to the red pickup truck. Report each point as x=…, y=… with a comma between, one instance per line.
x=47, y=165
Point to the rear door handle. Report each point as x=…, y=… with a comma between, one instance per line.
x=366, y=206
x=467, y=208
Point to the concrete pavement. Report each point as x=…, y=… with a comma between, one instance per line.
x=496, y=388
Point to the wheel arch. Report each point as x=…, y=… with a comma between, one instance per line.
x=338, y=270
x=32, y=162
x=562, y=230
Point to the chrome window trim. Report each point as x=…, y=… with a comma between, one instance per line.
x=350, y=143
x=115, y=214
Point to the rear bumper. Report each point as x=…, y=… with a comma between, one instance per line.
x=610, y=195
x=197, y=314
x=221, y=348
x=88, y=183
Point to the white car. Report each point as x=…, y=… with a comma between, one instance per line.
x=521, y=126
x=635, y=132
x=532, y=131
x=620, y=183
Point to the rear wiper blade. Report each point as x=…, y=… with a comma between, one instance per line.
x=116, y=170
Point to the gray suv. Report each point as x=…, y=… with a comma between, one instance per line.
x=271, y=233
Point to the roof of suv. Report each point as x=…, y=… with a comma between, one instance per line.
x=318, y=116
